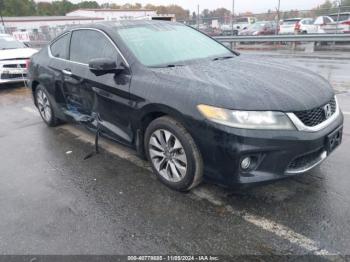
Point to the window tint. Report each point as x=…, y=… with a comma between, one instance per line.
x=290, y=21
x=60, y=47
x=327, y=20
x=242, y=20
x=310, y=22
x=89, y=44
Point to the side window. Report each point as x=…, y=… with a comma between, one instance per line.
x=59, y=48
x=89, y=44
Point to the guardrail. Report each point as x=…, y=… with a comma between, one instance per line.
x=261, y=39
x=293, y=39
x=286, y=38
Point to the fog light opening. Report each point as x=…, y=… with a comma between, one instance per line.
x=246, y=163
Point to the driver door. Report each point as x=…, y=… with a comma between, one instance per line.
x=102, y=101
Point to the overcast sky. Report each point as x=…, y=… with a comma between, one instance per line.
x=255, y=6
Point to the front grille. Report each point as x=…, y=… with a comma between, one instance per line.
x=12, y=76
x=304, y=162
x=14, y=66
x=315, y=116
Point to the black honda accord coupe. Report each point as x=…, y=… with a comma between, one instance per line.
x=194, y=108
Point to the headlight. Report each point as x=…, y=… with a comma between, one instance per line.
x=247, y=119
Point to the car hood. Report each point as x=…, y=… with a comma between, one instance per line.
x=248, y=83
x=20, y=53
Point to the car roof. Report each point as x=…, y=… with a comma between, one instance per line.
x=124, y=24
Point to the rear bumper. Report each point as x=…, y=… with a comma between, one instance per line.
x=276, y=154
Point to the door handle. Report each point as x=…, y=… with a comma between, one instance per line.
x=67, y=72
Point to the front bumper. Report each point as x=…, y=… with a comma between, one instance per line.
x=12, y=71
x=276, y=154
x=14, y=80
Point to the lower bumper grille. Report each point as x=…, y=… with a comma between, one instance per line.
x=12, y=76
x=306, y=162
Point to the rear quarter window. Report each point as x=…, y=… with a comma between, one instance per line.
x=59, y=48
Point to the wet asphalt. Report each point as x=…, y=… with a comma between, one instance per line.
x=55, y=202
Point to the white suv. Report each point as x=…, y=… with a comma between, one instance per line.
x=306, y=26
x=288, y=26
x=14, y=56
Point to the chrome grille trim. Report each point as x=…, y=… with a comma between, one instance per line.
x=302, y=127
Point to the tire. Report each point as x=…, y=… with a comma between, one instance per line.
x=44, y=106
x=173, y=154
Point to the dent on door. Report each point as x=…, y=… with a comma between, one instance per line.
x=103, y=104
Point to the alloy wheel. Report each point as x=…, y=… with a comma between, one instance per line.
x=168, y=155
x=44, y=105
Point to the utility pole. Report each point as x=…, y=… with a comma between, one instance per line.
x=2, y=22
x=198, y=17
x=278, y=16
x=2, y=19
x=339, y=9
x=232, y=16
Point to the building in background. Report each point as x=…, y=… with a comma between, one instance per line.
x=43, y=28
x=122, y=14
x=38, y=29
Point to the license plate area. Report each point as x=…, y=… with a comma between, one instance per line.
x=334, y=139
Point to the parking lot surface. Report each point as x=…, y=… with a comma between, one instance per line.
x=55, y=202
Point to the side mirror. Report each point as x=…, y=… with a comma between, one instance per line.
x=102, y=66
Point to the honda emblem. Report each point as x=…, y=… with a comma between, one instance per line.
x=327, y=111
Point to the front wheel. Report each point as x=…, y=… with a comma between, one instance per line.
x=173, y=154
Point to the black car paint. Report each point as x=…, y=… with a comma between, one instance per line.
x=123, y=104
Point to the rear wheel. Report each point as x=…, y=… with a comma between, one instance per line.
x=173, y=154
x=45, y=107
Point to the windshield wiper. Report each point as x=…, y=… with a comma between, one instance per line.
x=166, y=66
x=222, y=58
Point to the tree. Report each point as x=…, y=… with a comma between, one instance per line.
x=88, y=4
x=18, y=7
x=325, y=9
x=62, y=7
x=44, y=8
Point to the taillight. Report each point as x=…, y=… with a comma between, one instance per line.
x=346, y=22
x=297, y=26
x=27, y=63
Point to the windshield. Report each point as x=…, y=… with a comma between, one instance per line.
x=168, y=44
x=7, y=42
x=241, y=20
